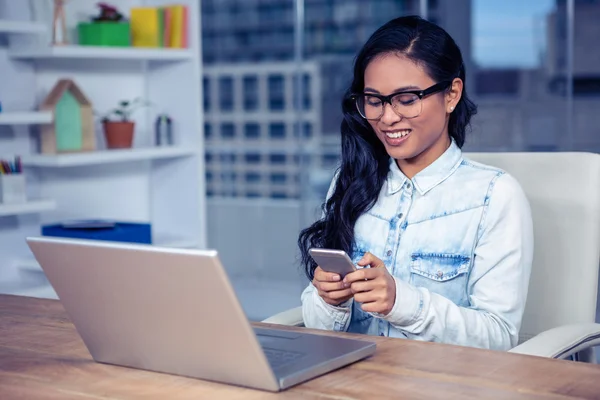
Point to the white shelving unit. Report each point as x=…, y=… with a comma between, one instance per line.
x=30, y=207
x=163, y=186
x=106, y=157
x=21, y=27
x=100, y=53
x=25, y=118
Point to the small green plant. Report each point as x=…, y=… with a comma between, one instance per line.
x=124, y=110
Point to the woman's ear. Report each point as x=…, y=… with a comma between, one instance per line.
x=454, y=94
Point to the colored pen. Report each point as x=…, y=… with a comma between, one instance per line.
x=11, y=167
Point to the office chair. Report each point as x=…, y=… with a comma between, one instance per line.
x=564, y=193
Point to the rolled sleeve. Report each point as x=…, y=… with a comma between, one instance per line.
x=320, y=315
x=408, y=305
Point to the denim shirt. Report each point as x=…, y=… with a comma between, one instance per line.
x=458, y=241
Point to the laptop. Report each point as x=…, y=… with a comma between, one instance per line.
x=174, y=311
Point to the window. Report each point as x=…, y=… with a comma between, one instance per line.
x=253, y=177
x=498, y=82
x=307, y=130
x=206, y=93
x=226, y=93
x=250, y=85
x=252, y=194
x=305, y=159
x=276, y=92
x=209, y=176
x=277, y=130
x=228, y=175
x=227, y=157
x=306, y=92
x=330, y=160
x=586, y=86
x=227, y=131
x=253, y=158
x=207, y=131
x=279, y=195
x=277, y=158
x=208, y=157
x=278, y=178
x=252, y=131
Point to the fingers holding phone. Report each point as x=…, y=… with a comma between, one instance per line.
x=373, y=287
x=331, y=287
x=333, y=266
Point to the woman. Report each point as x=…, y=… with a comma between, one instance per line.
x=449, y=242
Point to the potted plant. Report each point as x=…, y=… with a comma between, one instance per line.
x=119, y=132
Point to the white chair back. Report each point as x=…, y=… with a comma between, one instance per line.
x=564, y=193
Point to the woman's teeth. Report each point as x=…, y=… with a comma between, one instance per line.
x=398, y=134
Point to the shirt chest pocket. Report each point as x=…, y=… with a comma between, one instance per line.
x=444, y=274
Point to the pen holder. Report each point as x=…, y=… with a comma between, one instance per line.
x=12, y=188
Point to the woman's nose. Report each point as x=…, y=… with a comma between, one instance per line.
x=389, y=116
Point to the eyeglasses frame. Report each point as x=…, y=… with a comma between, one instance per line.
x=438, y=87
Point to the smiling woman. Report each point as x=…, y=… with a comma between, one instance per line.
x=448, y=241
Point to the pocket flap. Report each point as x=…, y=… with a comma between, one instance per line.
x=439, y=266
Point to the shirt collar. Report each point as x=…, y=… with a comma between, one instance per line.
x=431, y=176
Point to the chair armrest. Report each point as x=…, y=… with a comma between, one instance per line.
x=561, y=342
x=292, y=317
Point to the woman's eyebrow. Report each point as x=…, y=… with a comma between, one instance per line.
x=401, y=89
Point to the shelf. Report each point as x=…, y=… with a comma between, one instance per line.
x=25, y=118
x=105, y=157
x=31, y=207
x=24, y=27
x=101, y=53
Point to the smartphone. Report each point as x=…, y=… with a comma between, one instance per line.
x=333, y=261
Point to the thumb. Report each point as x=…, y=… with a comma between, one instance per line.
x=370, y=260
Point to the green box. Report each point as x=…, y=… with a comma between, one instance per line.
x=104, y=34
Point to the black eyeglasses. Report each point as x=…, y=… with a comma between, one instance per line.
x=406, y=104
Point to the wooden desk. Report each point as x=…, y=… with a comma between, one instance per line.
x=42, y=357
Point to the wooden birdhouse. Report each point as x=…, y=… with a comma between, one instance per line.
x=73, y=127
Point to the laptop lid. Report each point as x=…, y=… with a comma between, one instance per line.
x=160, y=309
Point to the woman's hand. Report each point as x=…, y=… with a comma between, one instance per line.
x=330, y=287
x=373, y=287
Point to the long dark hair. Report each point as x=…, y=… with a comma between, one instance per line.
x=365, y=162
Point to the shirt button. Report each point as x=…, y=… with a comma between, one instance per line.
x=389, y=253
x=408, y=185
x=440, y=274
x=400, y=216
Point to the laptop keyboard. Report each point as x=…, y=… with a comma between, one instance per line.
x=279, y=358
